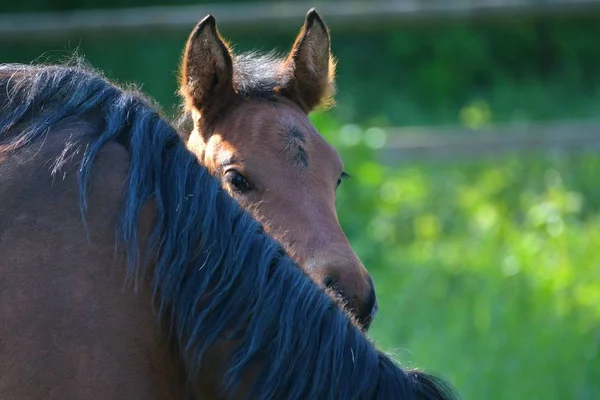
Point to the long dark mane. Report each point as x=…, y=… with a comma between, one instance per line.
x=215, y=274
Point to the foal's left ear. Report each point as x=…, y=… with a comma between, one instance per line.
x=311, y=66
x=206, y=79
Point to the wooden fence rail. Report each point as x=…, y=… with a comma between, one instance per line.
x=271, y=16
x=409, y=144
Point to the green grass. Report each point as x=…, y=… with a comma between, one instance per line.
x=488, y=272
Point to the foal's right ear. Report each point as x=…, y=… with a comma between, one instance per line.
x=206, y=79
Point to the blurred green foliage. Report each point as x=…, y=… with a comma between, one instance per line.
x=488, y=271
x=414, y=75
x=61, y=5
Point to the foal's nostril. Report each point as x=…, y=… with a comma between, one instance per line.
x=331, y=283
x=338, y=288
x=335, y=286
x=364, y=308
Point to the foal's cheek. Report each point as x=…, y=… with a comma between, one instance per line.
x=247, y=201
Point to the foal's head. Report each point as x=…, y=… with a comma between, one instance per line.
x=251, y=129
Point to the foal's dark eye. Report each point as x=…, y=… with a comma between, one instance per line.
x=341, y=178
x=238, y=182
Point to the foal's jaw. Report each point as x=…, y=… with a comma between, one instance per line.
x=252, y=131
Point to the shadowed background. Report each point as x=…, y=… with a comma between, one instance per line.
x=471, y=131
